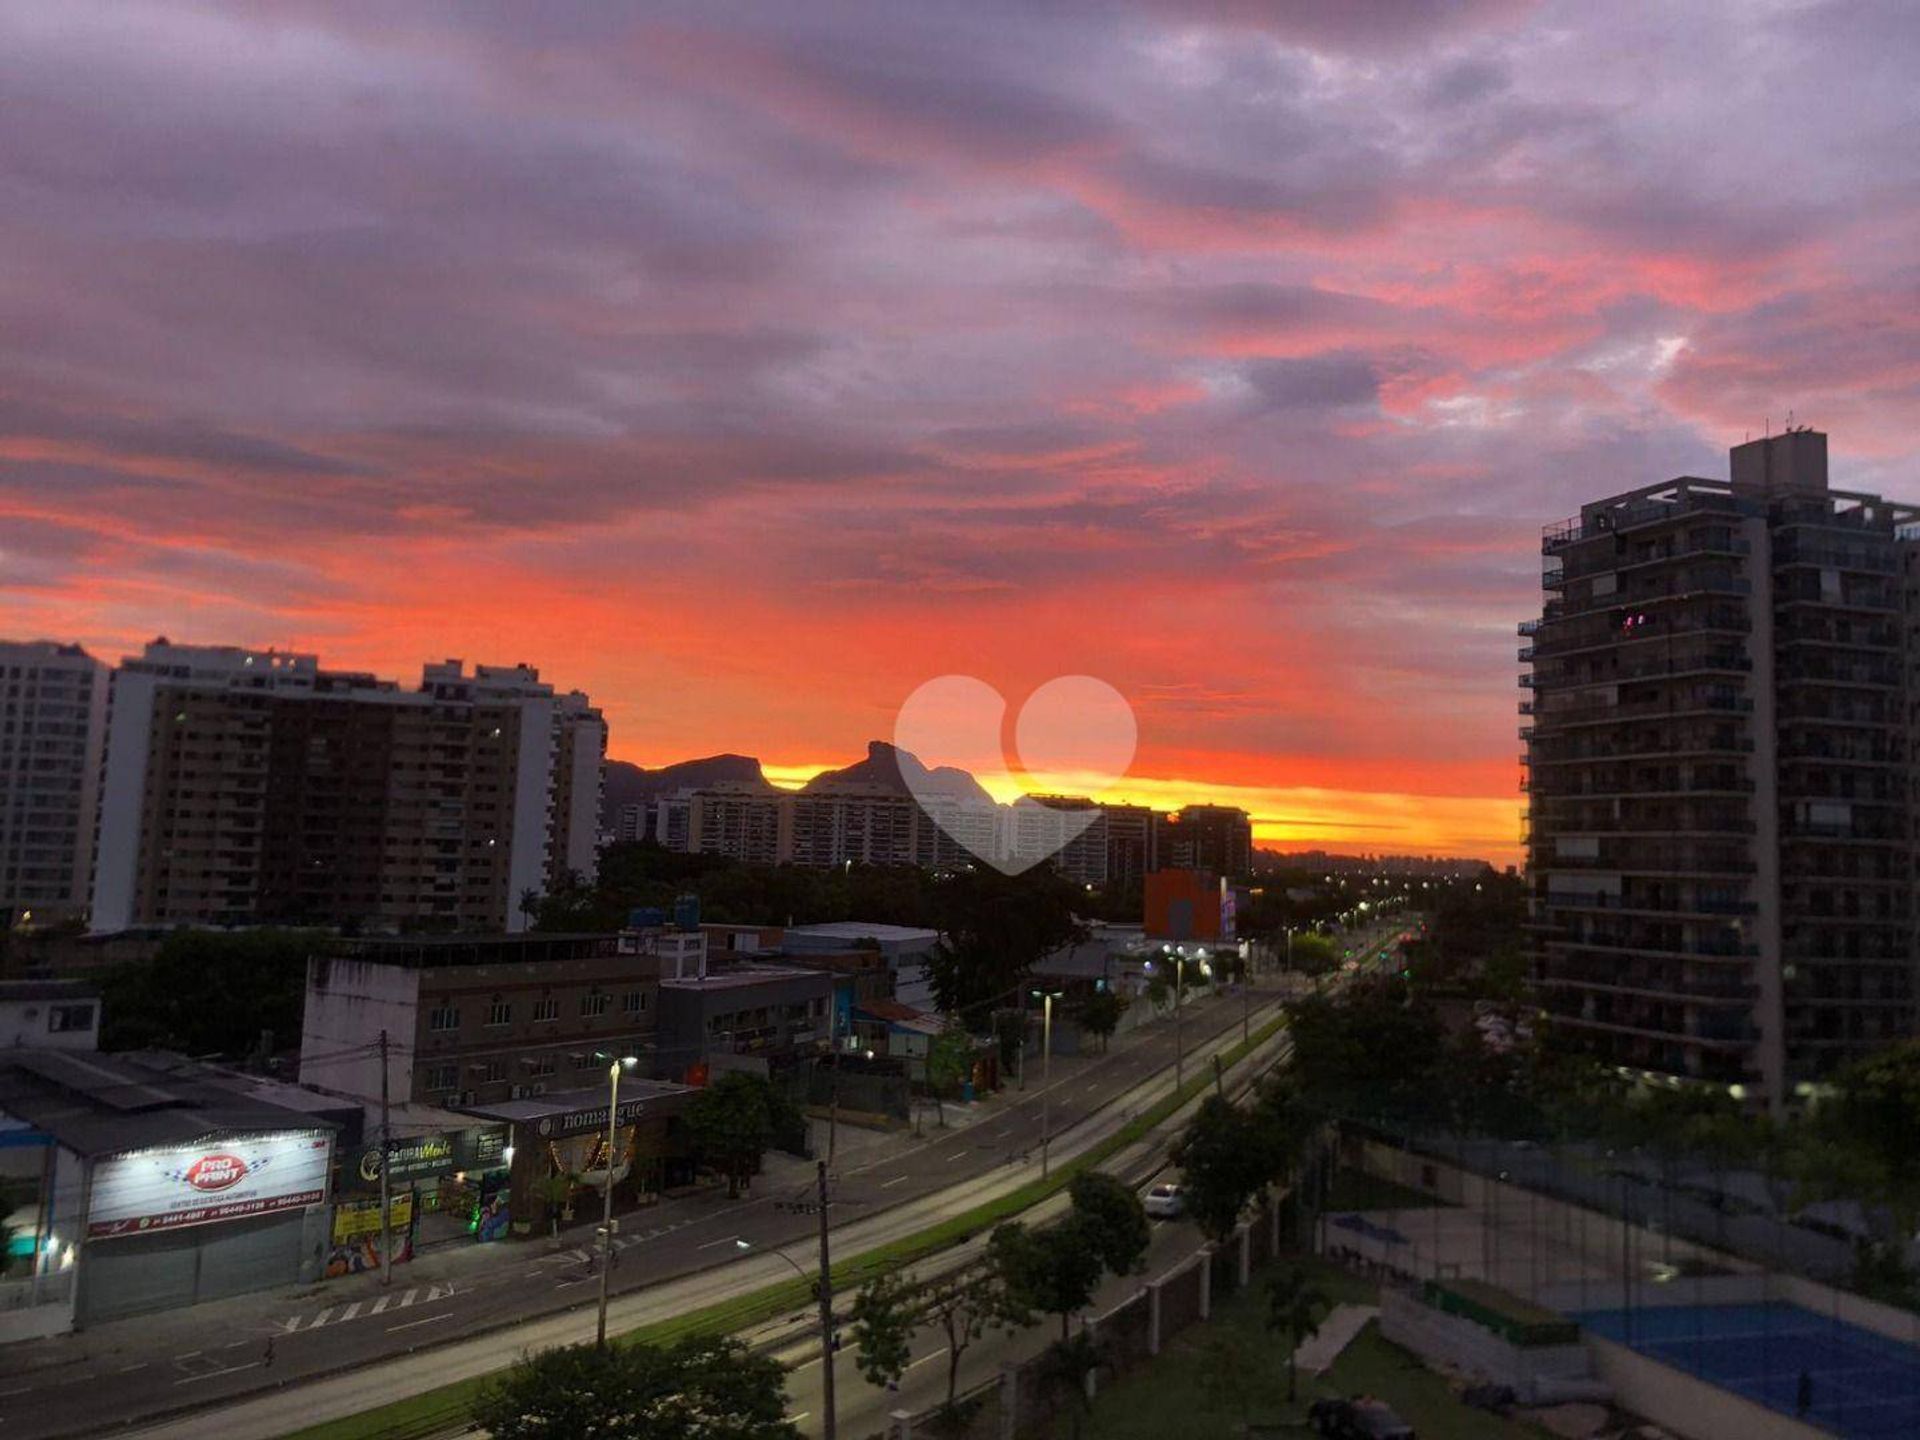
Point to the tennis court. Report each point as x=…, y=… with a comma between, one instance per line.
x=1862, y=1385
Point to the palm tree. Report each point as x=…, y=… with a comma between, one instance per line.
x=1294, y=1308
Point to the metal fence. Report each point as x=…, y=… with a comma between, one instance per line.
x=1027, y=1400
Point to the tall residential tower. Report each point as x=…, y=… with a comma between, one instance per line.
x=53, y=706
x=1720, y=838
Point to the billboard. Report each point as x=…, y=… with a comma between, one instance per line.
x=213, y=1180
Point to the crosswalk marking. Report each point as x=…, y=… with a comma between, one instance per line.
x=362, y=1310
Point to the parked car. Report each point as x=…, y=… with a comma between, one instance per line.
x=1358, y=1419
x=1166, y=1201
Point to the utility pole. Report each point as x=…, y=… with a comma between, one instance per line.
x=386, y=1165
x=1246, y=998
x=826, y=1317
x=606, y=1219
x=1179, y=1021
x=833, y=1097
x=1046, y=1085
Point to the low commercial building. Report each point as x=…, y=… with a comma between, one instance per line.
x=557, y=1153
x=157, y=1186
x=477, y=1019
x=49, y=1014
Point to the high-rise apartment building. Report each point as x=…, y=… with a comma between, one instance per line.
x=1131, y=852
x=1069, y=831
x=1720, y=774
x=1205, y=837
x=245, y=787
x=52, y=717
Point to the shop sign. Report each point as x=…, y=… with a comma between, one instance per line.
x=180, y=1185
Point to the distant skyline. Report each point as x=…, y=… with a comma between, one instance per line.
x=746, y=365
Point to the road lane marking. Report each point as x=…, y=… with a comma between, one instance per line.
x=957, y=1155
x=141, y=1365
x=897, y=1180
x=21, y=1391
x=723, y=1240
x=210, y=1374
x=424, y=1320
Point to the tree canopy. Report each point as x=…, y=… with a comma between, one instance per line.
x=209, y=992
x=994, y=929
x=731, y=1124
x=703, y=1388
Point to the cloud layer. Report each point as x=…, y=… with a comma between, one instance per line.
x=747, y=365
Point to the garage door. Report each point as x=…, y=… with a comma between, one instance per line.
x=132, y=1274
x=136, y=1273
x=249, y=1255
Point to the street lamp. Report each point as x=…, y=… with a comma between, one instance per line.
x=823, y=1284
x=1046, y=997
x=625, y=1062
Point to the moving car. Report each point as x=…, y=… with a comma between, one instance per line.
x=1165, y=1202
x=1360, y=1418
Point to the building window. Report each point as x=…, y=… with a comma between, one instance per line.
x=548, y=1009
x=500, y=1012
x=634, y=1002
x=443, y=1077
x=489, y=1072
x=539, y=1064
x=443, y=1017
x=594, y=1004
x=70, y=1017
x=581, y=1061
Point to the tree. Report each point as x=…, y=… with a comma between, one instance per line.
x=884, y=1319
x=994, y=929
x=1054, y=1270
x=208, y=992
x=1227, y=1157
x=1376, y=1049
x=1099, y=1015
x=731, y=1124
x=965, y=1304
x=704, y=1388
x=949, y=1061
x=1294, y=1308
x=1313, y=954
x=1116, y=1221
x=1878, y=1113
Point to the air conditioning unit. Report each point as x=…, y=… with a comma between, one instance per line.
x=466, y=1098
x=519, y=1092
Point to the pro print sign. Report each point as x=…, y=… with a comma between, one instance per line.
x=215, y=1180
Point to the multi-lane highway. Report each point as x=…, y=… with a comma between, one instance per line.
x=216, y=1354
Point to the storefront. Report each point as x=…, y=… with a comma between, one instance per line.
x=167, y=1188
x=179, y=1224
x=559, y=1159
x=446, y=1187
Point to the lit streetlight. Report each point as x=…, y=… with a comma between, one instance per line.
x=1046, y=997
x=625, y=1062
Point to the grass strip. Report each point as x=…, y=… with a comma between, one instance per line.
x=444, y=1408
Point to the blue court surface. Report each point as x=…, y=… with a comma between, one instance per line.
x=1862, y=1385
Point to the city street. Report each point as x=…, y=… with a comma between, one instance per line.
x=214, y=1354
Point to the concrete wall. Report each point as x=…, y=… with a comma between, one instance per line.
x=1538, y=1374
x=1686, y=1406
x=348, y=1004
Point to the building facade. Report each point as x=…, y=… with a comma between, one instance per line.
x=244, y=787
x=1131, y=833
x=1720, y=774
x=1205, y=837
x=53, y=709
x=475, y=1021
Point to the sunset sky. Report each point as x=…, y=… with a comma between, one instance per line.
x=747, y=365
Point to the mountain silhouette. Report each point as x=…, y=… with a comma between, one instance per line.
x=630, y=784
x=893, y=768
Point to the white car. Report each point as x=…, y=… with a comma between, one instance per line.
x=1165, y=1202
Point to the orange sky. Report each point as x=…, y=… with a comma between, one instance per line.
x=747, y=367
